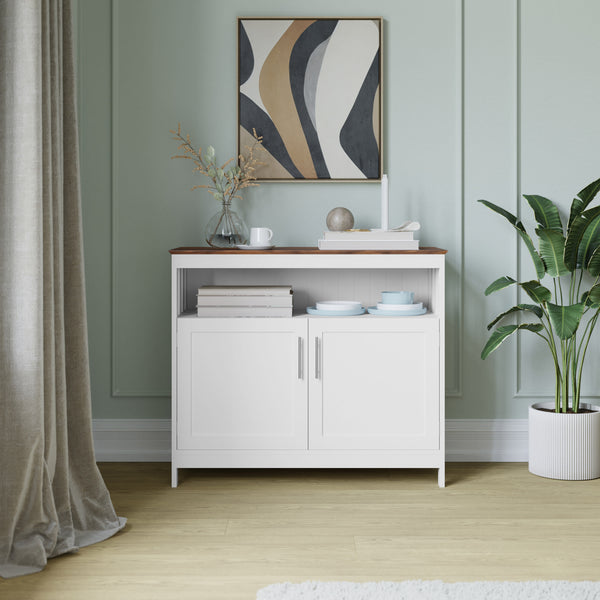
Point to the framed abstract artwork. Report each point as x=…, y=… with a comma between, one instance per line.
x=311, y=88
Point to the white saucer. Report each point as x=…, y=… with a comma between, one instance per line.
x=373, y=310
x=311, y=310
x=251, y=247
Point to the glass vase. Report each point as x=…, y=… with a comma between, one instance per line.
x=226, y=229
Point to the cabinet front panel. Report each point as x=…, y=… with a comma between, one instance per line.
x=242, y=385
x=375, y=387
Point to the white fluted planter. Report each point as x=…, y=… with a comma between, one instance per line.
x=564, y=445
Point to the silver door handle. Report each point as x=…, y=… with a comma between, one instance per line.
x=300, y=361
x=317, y=359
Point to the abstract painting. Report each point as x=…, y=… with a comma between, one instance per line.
x=311, y=88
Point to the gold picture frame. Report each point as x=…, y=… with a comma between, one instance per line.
x=311, y=88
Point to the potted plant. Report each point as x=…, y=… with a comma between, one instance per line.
x=563, y=309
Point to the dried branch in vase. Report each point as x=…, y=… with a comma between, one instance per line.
x=227, y=180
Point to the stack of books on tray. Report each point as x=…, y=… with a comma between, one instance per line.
x=368, y=239
x=245, y=301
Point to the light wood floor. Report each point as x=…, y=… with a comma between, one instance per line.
x=225, y=534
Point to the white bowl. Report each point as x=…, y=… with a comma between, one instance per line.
x=397, y=307
x=397, y=297
x=342, y=305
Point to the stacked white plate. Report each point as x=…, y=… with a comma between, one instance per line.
x=399, y=307
x=397, y=310
x=336, y=308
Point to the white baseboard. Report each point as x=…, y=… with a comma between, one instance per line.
x=467, y=440
x=486, y=440
x=132, y=440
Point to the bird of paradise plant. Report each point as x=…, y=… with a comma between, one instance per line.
x=566, y=292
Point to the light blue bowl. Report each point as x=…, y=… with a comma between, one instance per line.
x=397, y=297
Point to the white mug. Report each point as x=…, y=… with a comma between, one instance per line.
x=260, y=236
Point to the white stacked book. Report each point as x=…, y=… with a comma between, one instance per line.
x=244, y=301
x=368, y=239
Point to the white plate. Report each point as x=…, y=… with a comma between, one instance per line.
x=343, y=305
x=396, y=313
x=398, y=307
x=311, y=310
x=251, y=247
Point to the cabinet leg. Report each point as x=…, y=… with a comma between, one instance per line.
x=173, y=475
x=442, y=476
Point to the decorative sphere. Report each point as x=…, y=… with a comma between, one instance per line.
x=339, y=219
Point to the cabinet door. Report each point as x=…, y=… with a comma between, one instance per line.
x=374, y=383
x=241, y=383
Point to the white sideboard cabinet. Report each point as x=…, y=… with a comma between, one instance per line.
x=309, y=391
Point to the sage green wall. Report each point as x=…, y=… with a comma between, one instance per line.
x=482, y=98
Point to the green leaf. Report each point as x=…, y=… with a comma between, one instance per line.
x=537, y=292
x=593, y=265
x=585, y=196
x=577, y=207
x=508, y=216
x=546, y=213
x=503, y=332
x=565, y=319
x=499, y=284
x=552, y=248
x=588, y=193
x=537, y=261
x=594, y=293
x=575, y=234
x=589, y=242
x=518, y=308
x=587, y=301
x=540, y=268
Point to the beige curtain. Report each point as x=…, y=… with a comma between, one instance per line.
x=52, y=497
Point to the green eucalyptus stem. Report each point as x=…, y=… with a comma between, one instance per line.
x=212, y=235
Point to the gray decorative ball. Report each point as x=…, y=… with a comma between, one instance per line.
x=339, y=219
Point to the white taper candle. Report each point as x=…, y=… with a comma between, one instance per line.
x=385, y=203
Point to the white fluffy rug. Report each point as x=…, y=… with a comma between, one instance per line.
x=433, y=590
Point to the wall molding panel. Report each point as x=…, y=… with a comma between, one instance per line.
x=492, y=132
x=555, y=144
x=128, y=381
x=456, y=393
x=120, y=389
